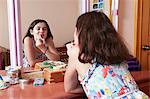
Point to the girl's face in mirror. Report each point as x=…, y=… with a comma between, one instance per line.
x=40, y=31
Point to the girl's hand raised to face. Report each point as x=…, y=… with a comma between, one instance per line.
x=40, y=42
x=72, y=50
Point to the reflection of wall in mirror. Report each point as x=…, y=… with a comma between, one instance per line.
x=61, y=15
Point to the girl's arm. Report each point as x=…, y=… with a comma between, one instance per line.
x=71, y=82
x=29, y=51
x=51, y=52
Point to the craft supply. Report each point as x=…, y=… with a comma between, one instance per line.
x=45, y=63
x=49, y=64
x=53, y=70
x=32, y=75
x=5, y=78
x=13, y=74
x=30, y=70
x=54, y=74
x=1, y=79
x=3, y=84
x=38, y=81
x=23, y=82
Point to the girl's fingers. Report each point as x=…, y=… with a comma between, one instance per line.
x=37, y=39
x=69, y=46
x=43, y=40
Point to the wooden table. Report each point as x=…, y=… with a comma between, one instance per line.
x=56, y=90
x=142, y=78
x=47, y=91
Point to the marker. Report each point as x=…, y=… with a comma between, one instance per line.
x=1, y=77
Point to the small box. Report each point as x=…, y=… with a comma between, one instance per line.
x=32, y=75
x=38, y=82
x=54, y=74
x=48, y=64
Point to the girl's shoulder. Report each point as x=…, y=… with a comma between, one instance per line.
x=28, y=39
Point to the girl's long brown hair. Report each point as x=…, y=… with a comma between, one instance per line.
x=28, y=34
x=98, y=40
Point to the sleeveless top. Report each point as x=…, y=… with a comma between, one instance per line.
x=38, y=55
x=110, y=82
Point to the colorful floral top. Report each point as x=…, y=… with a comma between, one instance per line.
x=110, y=82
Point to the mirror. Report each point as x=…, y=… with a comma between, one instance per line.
x=61, y=16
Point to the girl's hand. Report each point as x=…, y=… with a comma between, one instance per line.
x=40, y=43
x=72, y=50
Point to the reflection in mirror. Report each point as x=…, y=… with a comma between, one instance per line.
x=60, y=15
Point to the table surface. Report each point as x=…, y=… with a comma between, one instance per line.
x=141, y=76
x=47, y=91
x=28, y=91
x=51, y=91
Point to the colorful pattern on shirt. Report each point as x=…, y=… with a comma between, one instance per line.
x=109, y=82
x=38, y=55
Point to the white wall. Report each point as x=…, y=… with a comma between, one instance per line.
x=126, y=22
x=4, y=38
x=61, y=15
